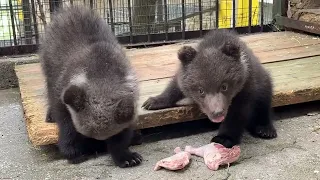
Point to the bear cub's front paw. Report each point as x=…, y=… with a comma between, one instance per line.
x=265, y=132
x=156, y=103
x=127, y=159
x=225, y=141
x=75, y=154
x=49, y=117
x=137, y=138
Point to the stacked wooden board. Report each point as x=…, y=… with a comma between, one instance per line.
x=293, y=60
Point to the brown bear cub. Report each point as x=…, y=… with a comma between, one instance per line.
x=91, y=87
x=228, y=83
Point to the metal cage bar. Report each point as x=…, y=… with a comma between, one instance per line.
x=250, y=16
x=233, y=14
x=261, y=15
x=200, y=18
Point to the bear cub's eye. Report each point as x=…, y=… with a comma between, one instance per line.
x=201, y=91
x=224, y=87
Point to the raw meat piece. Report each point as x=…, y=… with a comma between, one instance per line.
x=215, y=154
x=174, y=162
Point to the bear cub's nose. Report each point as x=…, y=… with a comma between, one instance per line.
x=217, y=114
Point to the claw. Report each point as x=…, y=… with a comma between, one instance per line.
x=130, y=160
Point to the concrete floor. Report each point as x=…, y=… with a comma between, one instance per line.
x=295, y=154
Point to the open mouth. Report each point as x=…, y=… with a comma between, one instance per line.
x=217, y=119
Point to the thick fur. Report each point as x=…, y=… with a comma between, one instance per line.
x=229, y=84
x=91, y=87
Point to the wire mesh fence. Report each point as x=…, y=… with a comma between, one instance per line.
x=134, y=21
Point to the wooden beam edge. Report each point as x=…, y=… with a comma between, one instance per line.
x=47, y=133
x=39, y=133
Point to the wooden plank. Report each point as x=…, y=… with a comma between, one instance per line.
x=162, y=62
x=298, y=25
x=295, y=81
x=155, y=67
x=288, y=53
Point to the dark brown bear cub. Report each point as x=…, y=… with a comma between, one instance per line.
x=92, y=89
x=226, y=80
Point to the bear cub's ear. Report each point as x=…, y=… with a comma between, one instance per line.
x=75, y=97
x=186, y=54
x=231, y=49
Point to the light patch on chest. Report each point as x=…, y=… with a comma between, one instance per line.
x=79, y=79
x=131, y=77
x=132, y=80
x=74, y=118
x=244, y=62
